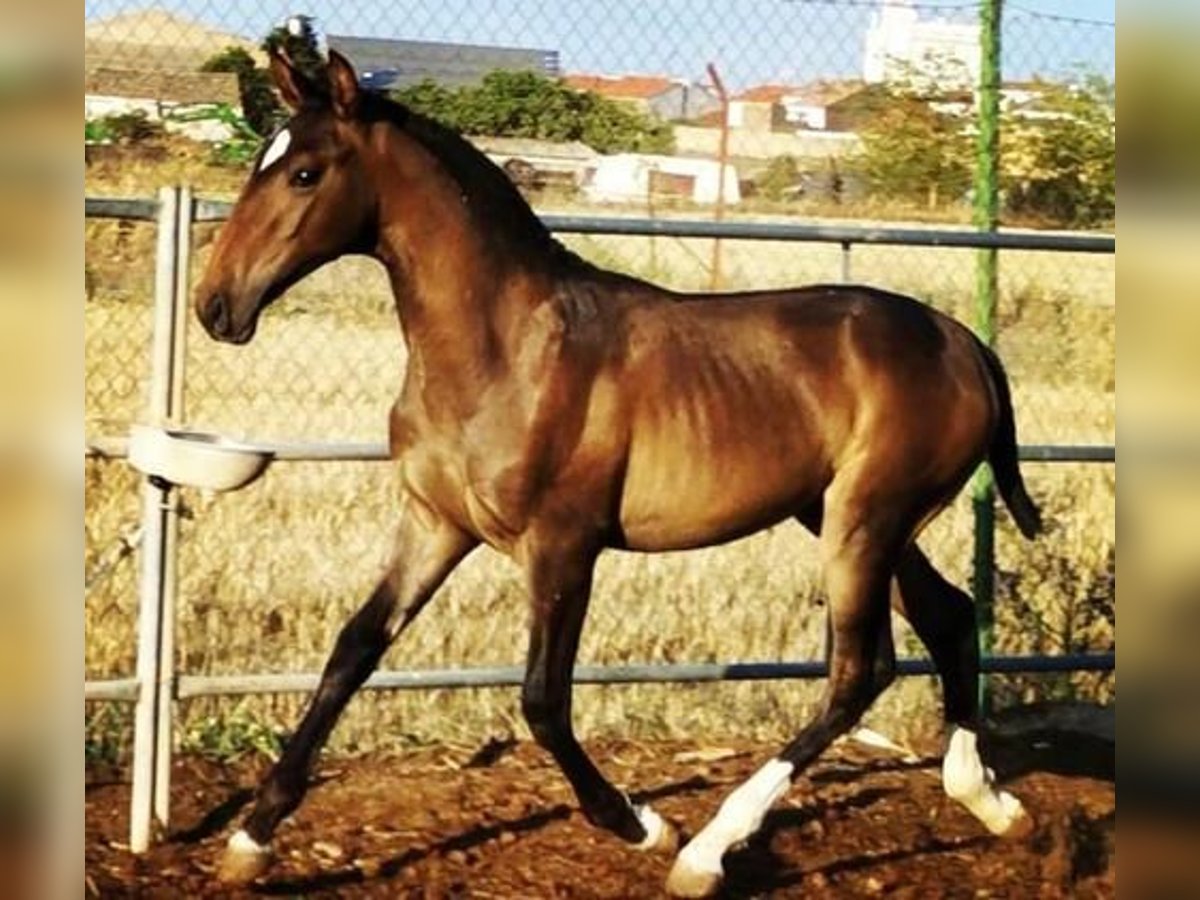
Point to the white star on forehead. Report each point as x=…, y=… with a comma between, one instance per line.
x=278, y=147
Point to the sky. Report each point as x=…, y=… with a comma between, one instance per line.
x=750, y=41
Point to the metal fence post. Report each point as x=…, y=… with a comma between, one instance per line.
x=165, y=720
x=986, y=215
x=722, y=163
x=185, y=210
x=156, y=500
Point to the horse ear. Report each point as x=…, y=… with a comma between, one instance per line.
x=343, y=85
x=294, y=87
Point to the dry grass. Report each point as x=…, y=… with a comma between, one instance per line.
x=270, y=574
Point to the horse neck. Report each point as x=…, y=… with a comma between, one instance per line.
x=460, y=300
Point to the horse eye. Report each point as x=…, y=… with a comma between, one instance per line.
x=304, y=177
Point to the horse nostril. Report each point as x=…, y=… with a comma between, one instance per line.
x=216, y=315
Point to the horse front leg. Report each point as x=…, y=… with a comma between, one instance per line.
x=560, y=582
x=427, y=549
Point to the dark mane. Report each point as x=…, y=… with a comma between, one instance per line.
x=494, y=199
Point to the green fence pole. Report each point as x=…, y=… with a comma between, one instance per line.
x=986, y=217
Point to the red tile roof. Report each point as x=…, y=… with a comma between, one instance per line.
x=627, y=86
x=765, y=93
x=827, y=93
x=815, y=93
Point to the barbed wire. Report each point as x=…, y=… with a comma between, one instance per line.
x=956, y=6
x=1057, y=17
x=895, y=4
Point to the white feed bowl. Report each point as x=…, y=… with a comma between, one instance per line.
x=195, y=458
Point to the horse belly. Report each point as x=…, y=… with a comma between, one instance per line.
x=678, y=504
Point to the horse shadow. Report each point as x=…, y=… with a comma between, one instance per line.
x=394, y=865
x=215, y=819
x=756, y=870
x=1073, y=740
x=847, y=773
x=466, y=840
x=221, y=815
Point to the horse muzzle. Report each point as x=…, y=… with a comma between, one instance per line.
x=216, y=314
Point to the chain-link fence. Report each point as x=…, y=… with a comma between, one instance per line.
x=268, y=575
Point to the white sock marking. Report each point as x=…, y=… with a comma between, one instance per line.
x=738, y=818
x=242, y=843
x=276, y=150
x=967, y=780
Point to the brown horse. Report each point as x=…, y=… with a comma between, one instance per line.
x=552, y=409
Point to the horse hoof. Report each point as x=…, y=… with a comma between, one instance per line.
x=684, y=881
x=1009, y=820
x=661, y=835
x=244, y=860
x=1019, y=826
x=668, y=841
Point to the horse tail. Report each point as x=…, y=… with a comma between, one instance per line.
x=1003, y=453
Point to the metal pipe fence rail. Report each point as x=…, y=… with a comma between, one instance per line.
x=112, y=447
x=188, y=686
x=155, y=686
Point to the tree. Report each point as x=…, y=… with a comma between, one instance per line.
x=527, y=104
x=134, y=127
x=914, y=150
x=259, y=105
x=781, y=173
x=917, y=145
x=298, y=40
x=611, y=127
x=430, y=99
x=1059, y=155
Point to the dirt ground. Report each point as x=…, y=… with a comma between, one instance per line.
x=500, y=822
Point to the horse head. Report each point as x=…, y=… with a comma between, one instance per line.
x=309, y=200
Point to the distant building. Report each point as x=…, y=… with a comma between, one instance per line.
x=752, y=147
x=760, y=108
x=633, y=177
x=900, y=44
x=163, y=96
x=536, y=163
x=670, y=99
x=386, y=63
x=827, y=105
x=1025, y=100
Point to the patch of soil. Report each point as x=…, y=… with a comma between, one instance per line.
x=502, y=823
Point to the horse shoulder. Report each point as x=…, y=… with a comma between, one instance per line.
x=541, y=426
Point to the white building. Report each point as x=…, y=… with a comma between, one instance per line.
x=899, y=44
x=631, y=177
x=183, y=101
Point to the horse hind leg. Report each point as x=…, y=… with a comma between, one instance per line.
x=858, y=563
x=944, y=619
